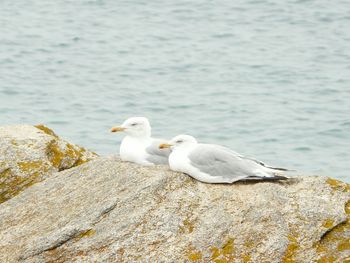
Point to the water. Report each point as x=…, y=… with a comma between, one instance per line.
x=270, y=79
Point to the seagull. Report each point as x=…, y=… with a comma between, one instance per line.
x=138, y=146
x=210, y=163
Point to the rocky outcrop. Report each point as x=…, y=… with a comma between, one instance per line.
x=112, y=211
x=30, y=153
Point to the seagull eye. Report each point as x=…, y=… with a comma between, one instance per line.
x=133, y=124
x=179, y=141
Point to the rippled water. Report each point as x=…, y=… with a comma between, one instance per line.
x=270, y=79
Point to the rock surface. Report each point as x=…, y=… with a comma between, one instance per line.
x=30, y=153
x=112, y=211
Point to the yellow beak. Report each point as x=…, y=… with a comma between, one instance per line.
x=165, y=145
x=117, y=129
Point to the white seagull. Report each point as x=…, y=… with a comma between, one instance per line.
x=210, y=163
x=138, y=146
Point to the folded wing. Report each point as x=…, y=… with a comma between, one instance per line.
x=217, y=160
x=156, y=155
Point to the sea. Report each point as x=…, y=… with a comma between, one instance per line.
x=267, y=78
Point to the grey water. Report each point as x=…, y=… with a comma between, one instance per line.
x=267, y=78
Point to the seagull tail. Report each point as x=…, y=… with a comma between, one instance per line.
x=279, y=169
x=266, y=178
x=276, y=177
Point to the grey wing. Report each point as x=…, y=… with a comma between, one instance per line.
x=220, y=161
x=260, y=163
x=156, y=155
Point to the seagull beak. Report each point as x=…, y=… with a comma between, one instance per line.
x=117, y=129
x=165, y=145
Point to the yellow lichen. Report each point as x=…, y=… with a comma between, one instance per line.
x=347, y=207
x=87, y=233
x=320, y=248
x=194, y=255
x=218, y=255
x=61, y=156
x=215, y=252
x=46, y=130
x=5, y=174
x=339, y=229
x=71, y=151
x=69, y=156
x=80, y=161
x=11, y=184
x=4, y=187
x=55, y=154
x=187, y=226
x=292, y=247
x=246, y=258
x=332, y=245
x=249, y=244
x=338, y=185
x=228, y=247
x=344, y=245
x=223, y=254
x=30, y=166
x=326, y=259
x=328, y=223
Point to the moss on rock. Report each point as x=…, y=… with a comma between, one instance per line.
x=31, y=166
x=11, y=184
x=292, y=247
x=88, y=233
x=193, y=254
x=337, y=185
x=46, y=130
x=30, y=154
x=328, y=223
x=67, y=155
x=334, y=246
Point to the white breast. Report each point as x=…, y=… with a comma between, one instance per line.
x=134, y=150
x=178, y=161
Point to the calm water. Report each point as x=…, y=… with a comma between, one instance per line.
x=270, y=79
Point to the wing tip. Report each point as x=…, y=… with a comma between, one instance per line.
x=278, y=177
x=265, y=178
x=280, y=169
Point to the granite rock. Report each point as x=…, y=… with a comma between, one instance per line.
x=107, y=210
x=28, y=154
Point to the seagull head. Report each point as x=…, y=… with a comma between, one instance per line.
x=180, y=141
x=135, y=126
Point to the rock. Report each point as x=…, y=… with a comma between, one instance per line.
x=28, y=154
x=112, y=211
